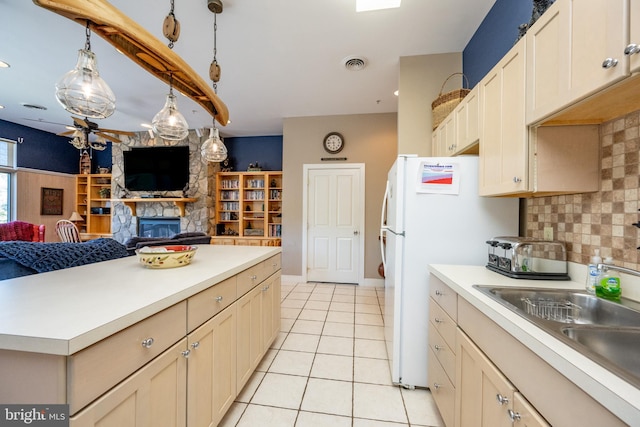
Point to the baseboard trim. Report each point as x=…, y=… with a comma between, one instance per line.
x=287, y=278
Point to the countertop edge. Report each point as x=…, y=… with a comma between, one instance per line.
x=610, y=390
x=62, y=345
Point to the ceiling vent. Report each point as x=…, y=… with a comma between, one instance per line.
x=33, y=106
x=354, y=63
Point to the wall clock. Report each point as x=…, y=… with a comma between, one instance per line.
x=333, y=143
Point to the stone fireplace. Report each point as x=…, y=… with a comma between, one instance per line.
x=199, y=215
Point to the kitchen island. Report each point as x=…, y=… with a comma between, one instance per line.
x=88, y=335
x=619, y=397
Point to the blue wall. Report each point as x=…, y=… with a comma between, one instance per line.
x=495, y=36
x=266, y=150
x=42, y=150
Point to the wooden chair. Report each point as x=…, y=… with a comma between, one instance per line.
x=67, y=231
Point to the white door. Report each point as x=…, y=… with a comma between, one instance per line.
x=335, y=221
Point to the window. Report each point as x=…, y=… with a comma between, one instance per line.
x=7, y=173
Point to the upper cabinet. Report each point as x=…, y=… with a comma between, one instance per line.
x=503, y=147
x=467, y=119
x=576, y=49
x=459, y=132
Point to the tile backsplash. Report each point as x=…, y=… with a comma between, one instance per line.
x=604, y=219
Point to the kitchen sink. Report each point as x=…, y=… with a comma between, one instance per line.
x=605, y=331
x=621, y=346
x=567, y=306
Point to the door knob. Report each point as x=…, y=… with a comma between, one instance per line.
x=356, y=232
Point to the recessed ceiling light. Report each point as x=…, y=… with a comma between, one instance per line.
x=1, y=107
x=4, y=64
x=366, y=5
x=396, y=93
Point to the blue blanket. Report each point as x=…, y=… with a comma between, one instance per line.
x=43, y=257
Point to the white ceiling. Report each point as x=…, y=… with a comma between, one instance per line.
x=279, y=58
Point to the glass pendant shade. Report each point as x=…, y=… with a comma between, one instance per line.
x=213, y=149
x=83, y=92
x=169, y=123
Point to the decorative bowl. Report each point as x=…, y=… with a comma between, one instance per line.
x=166, y=256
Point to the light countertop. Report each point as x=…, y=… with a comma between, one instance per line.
x=620, y=397
x=64, y=311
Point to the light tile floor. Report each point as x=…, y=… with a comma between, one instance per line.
x=329, y=367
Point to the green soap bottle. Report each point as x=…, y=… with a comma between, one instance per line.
x=609, y=284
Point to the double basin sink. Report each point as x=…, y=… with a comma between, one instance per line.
x=605, y=331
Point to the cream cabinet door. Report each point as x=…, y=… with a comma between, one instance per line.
x=438, y=142
x=211, y=378
x=270, y=310
x=467, y=121
x=483, y=395
x=598, y=32
x=154, y=396
x=249, y=347
x=503, y=152
x=450, y=137
x=525, y=415
x=634, y=35
x=574, y=50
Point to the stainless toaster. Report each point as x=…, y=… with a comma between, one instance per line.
x=528, y=258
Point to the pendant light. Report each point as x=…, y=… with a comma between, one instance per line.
x=213, y=149
x=169, y=123
x=82, y=91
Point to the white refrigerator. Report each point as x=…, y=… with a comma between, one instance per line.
x=431, y=214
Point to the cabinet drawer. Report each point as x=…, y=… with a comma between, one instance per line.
x=444, y=296
x=256, y=274
x=203, y=306
x=445, y=355
x=96, y=369
x=442, y=390
x=444, y=324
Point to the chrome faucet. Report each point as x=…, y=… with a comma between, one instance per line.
x=604, y=267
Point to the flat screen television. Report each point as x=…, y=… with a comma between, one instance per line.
x=156, y=168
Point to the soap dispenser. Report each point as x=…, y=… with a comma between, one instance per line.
x=609, y=283
x=593, y=274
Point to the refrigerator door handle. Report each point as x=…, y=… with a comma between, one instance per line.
x=383, y=227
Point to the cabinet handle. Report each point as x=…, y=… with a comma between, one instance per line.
x=147, y=343
x=438, y=347
x=186, y=354
x=436, y=386
x=219, y=298
x=439, y=293
x=514, y=416
x=254, y=277
x=266, y=288
x=502, y=400
x=437, y=320
x=195, y=345
x=517, y=179
x=609, y=63
x=632, y=49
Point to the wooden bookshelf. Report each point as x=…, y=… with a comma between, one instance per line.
x=248, y=207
